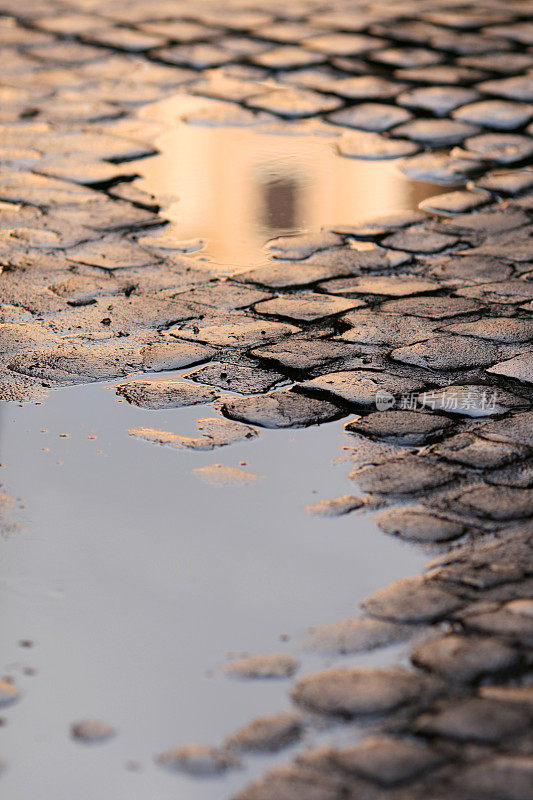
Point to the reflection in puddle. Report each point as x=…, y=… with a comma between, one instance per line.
x=238, y=187
x=134, y=580
x=281, y=203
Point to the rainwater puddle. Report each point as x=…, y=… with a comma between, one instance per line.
x=134, y=578
x=237, y=187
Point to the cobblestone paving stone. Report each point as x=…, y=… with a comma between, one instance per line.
x=91, y=290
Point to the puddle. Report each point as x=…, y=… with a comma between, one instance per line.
x=134, y=578
x=132, y=574
x=237, y=187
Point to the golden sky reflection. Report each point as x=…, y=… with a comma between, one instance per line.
x=238, y=187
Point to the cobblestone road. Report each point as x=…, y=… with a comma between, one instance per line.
x=433, y=315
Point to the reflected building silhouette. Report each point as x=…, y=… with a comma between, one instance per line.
x=281, y=197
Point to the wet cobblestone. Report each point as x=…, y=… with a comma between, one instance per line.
x=92, y=290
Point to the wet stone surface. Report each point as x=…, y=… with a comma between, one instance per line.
x=164, y=393
x=418, y=322
x=402, y=427
x=358, y=691
x=388, y=761
x=420, y=525
x=91, y=730
x=195, y=759
x=465, y=659
x=267, y=734
x=213, y=432
x=285, y=409
x=271, y=665
x=354, y=635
